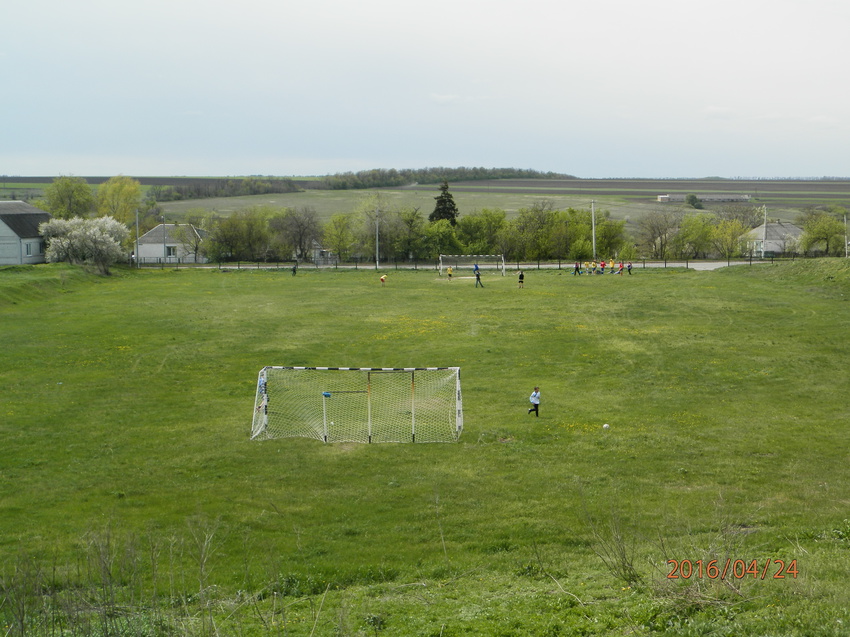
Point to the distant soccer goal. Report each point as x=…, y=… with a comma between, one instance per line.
x=354, y=404
x=468, y=262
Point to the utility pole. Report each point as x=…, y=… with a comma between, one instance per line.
x=764, y=234
x=138, y=265
x=377, y=248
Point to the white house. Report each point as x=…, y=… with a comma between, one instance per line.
x=779, y=238
x=20, y=241
x=172, y=243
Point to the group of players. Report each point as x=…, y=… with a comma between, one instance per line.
x=591, y=267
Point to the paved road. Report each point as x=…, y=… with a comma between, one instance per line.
x=638, y=265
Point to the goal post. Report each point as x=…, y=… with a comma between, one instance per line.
x=359, y=404
x=469, y=261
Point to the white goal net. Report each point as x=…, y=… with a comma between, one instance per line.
x=355, y=404
x=485, y=262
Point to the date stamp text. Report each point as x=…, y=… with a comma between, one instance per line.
x=767, y=568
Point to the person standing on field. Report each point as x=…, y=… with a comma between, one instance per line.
x=449, y=272
x=521, y=280
x=478, y=279
x=535, y=402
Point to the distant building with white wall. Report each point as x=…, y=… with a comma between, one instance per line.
x=20, y=241
x=779, y=238
x=706, y=198
x=172, y=243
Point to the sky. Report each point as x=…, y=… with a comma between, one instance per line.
x=595, y=89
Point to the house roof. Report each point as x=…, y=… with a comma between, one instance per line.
x=776, y=231
x=22, y=218
x=154, y=235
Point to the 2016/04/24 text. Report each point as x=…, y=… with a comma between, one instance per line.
x=737, y=569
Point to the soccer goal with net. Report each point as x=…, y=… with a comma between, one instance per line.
x=355, y=404
x=469, y=261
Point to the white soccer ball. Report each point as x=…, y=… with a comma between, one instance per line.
x=606, y=426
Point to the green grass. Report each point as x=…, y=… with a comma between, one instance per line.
x=624, y=199
x=327, y=203
x=128, y=479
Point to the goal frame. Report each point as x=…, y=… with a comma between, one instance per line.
x=497, y=261
x=428, y=408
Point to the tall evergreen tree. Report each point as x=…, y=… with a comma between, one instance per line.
x=446, y=207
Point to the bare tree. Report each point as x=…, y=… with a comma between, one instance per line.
x=190, y=237
x=655, y=230
x=296, y=229
x=225, y=240
x=372, y=212
x=749, y=216
x=410, y=243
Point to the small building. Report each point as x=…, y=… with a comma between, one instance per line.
x=706, y=198
x=20, y=241
x=320, y=256
x=779, y=237
x=172, y=243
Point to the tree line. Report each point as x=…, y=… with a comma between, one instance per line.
x=695, y=233
x=208, y=188
x=539, y=232
x=406, y=234
x=377, y=229
x=388, y=178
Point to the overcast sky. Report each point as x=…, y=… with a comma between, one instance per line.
x=597, y=88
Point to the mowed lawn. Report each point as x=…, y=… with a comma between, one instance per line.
x=125, y=414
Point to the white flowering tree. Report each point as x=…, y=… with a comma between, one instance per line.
x=90, y=241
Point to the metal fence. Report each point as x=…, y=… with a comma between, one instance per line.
x=364, y=264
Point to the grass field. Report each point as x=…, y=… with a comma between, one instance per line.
x=134, y=502
x=623, y=198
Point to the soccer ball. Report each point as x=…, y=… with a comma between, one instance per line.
x=606, y=426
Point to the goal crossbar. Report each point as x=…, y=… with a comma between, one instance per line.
x=359, y=404
x=483, y=261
